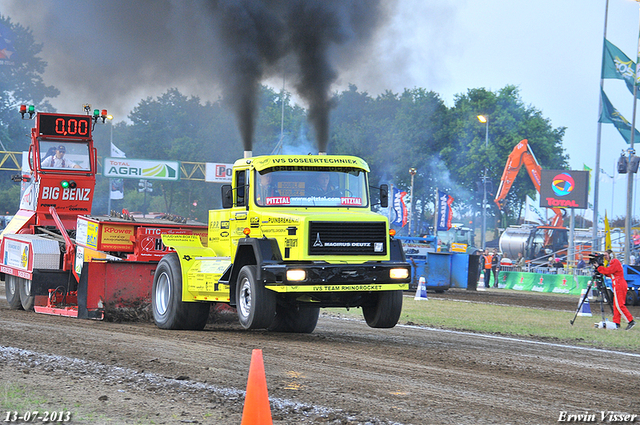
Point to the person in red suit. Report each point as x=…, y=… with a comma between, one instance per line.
x=615, y=272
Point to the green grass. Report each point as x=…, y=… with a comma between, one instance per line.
x=519, y=322
x=14, y=397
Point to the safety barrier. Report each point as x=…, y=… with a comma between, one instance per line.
x=543, y=282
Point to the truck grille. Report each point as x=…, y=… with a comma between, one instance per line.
x=347, y=238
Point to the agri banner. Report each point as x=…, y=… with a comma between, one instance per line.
x=445, y=214
x=399, y=207
x=541, y=282
x=564, y=189
x=124, y=168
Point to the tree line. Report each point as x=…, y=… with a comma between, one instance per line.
x=393, y=132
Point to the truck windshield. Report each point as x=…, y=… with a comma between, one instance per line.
x=59, y=155
x=311, y=187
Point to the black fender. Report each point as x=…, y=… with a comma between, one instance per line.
x=396, y=253
x=251, y=251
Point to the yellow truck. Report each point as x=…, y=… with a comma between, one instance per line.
x=295, y=233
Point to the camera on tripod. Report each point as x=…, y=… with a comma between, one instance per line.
x=597, y=284
x=596, y=260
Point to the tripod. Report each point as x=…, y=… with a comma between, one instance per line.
x=598, y=279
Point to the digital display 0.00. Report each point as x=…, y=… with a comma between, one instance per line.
x=64, y=125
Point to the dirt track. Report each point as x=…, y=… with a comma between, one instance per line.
x=342, y=373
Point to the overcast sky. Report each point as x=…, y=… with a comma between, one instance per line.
x=550, y=49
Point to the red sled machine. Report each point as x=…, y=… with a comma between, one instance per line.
x=57, y=258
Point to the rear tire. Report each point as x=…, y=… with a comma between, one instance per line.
x=295, y=319
x=632, y=297
x=256, y=305
x=386, y=311
x=27, y=299
x=12, y=289
x=169, y=311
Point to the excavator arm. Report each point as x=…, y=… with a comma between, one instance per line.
x=522, y=155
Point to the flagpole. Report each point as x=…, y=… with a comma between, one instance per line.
x=596, y=188
x=627, y=221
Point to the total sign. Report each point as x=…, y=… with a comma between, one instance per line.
x=124, y=168
x=564, y=189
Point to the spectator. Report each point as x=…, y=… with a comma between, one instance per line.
x=495, y=267
x=581, y=263
x=520, y=262
x=487, y=260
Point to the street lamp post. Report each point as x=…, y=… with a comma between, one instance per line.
x=412, y=171
x=485, y=120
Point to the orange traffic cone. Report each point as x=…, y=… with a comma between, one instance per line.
x=257, y=410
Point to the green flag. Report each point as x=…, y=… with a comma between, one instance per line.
x=611, y=115
x=616, y=64
x=585, y=168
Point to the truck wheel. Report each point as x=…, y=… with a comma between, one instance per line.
x=256, y=305
x=169, y=311
x=632, y=297
x=386, y=311
x=27, y=299
x=12, y=289
x=295, y=319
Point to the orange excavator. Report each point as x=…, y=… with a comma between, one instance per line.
x=523, y=155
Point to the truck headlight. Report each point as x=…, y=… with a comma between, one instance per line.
x=296, y=275
x=398, y=273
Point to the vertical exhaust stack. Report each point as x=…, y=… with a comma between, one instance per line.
x=248, y=154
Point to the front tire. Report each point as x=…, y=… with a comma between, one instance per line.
x=12, y=289
x=385, y=313
x=256, y=305
x=295, y=319
x=169, y=311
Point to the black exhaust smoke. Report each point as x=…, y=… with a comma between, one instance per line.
x=236, y=44
x=257, y=34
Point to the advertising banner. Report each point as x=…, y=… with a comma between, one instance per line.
x=399, y=207
x=542, y=282
x=124, y=168
x=564, y=189
x=218, y=173
x=445, y=214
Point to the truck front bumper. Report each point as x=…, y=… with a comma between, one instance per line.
x=325, y=277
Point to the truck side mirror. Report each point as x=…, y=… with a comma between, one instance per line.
x=227, y=196
x=384, y=195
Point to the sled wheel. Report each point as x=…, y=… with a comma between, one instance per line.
x=386, y=310
x=295, y=319
x=27, y=298
x=12, y=289
x=632, y=297
x=169, y=311
x=256, y=305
